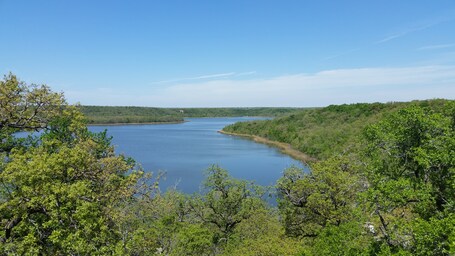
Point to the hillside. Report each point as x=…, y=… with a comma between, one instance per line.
x=319, y=132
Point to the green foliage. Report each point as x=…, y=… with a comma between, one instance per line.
x=348, y=238
x=235, y=112
x=262, y=234
x=411, y=174
x=435, y=236
x=385, y=186
x=417, y=144
x=160, y=223
x=327, y=196
x=215, y=222
x=396, y=190
x=58, y=195
x=322, y=132
x=112, y=115
x=226, y=203
x=25, y=108
x=193, y=239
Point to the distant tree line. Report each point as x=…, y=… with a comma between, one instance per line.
x=112, y=114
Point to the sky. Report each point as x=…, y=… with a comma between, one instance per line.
x=221, y=53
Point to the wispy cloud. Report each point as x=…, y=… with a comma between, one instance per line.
x=341, y=54
x=319, y=89
x=195, y=78
x=211, y=76
x=422, y=25
x=404, y=33
x=202, y=77
x=246, y=73
x=435, y=47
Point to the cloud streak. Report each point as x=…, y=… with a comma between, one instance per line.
x=436, y=47
x=195, y=78
x=418, y=27
x=424, y=25
x=341, y=54
x=210, y=76
x=406, y=32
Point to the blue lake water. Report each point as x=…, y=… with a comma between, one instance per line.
x=184, y=151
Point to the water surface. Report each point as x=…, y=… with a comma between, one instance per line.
x=184, y=151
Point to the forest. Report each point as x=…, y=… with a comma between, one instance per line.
x=119, y=115
x=383, y=184
x=321, y=132
x=126, y=115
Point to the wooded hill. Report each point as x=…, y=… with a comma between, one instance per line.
x=112, y=115
x=321, y=132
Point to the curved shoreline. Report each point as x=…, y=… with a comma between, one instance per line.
x=285, y=148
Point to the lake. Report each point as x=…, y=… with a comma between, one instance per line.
x=184, y=151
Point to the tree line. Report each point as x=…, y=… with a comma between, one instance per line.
x=65, y=191
x=125, y=114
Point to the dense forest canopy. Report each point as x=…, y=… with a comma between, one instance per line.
x=113, y=115
x=386, y=186
x=319, y=132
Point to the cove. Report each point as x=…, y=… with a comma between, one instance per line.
x=184, y=151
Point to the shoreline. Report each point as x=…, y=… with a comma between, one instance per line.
x=173, y=122
x=285, y=148
x=144, y=123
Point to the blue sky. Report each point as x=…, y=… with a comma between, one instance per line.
x=232, y=53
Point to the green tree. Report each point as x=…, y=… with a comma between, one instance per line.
x=262, y=234
x=160, y=223
x=349, y=238
x=25, y=107
x=326, y=196
x=57, y=195
x=411, y=159
x=435, y=236
x=226, y=203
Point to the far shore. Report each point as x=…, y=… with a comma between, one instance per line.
x=144, y=123
x=285, y=148
x=171, y=122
